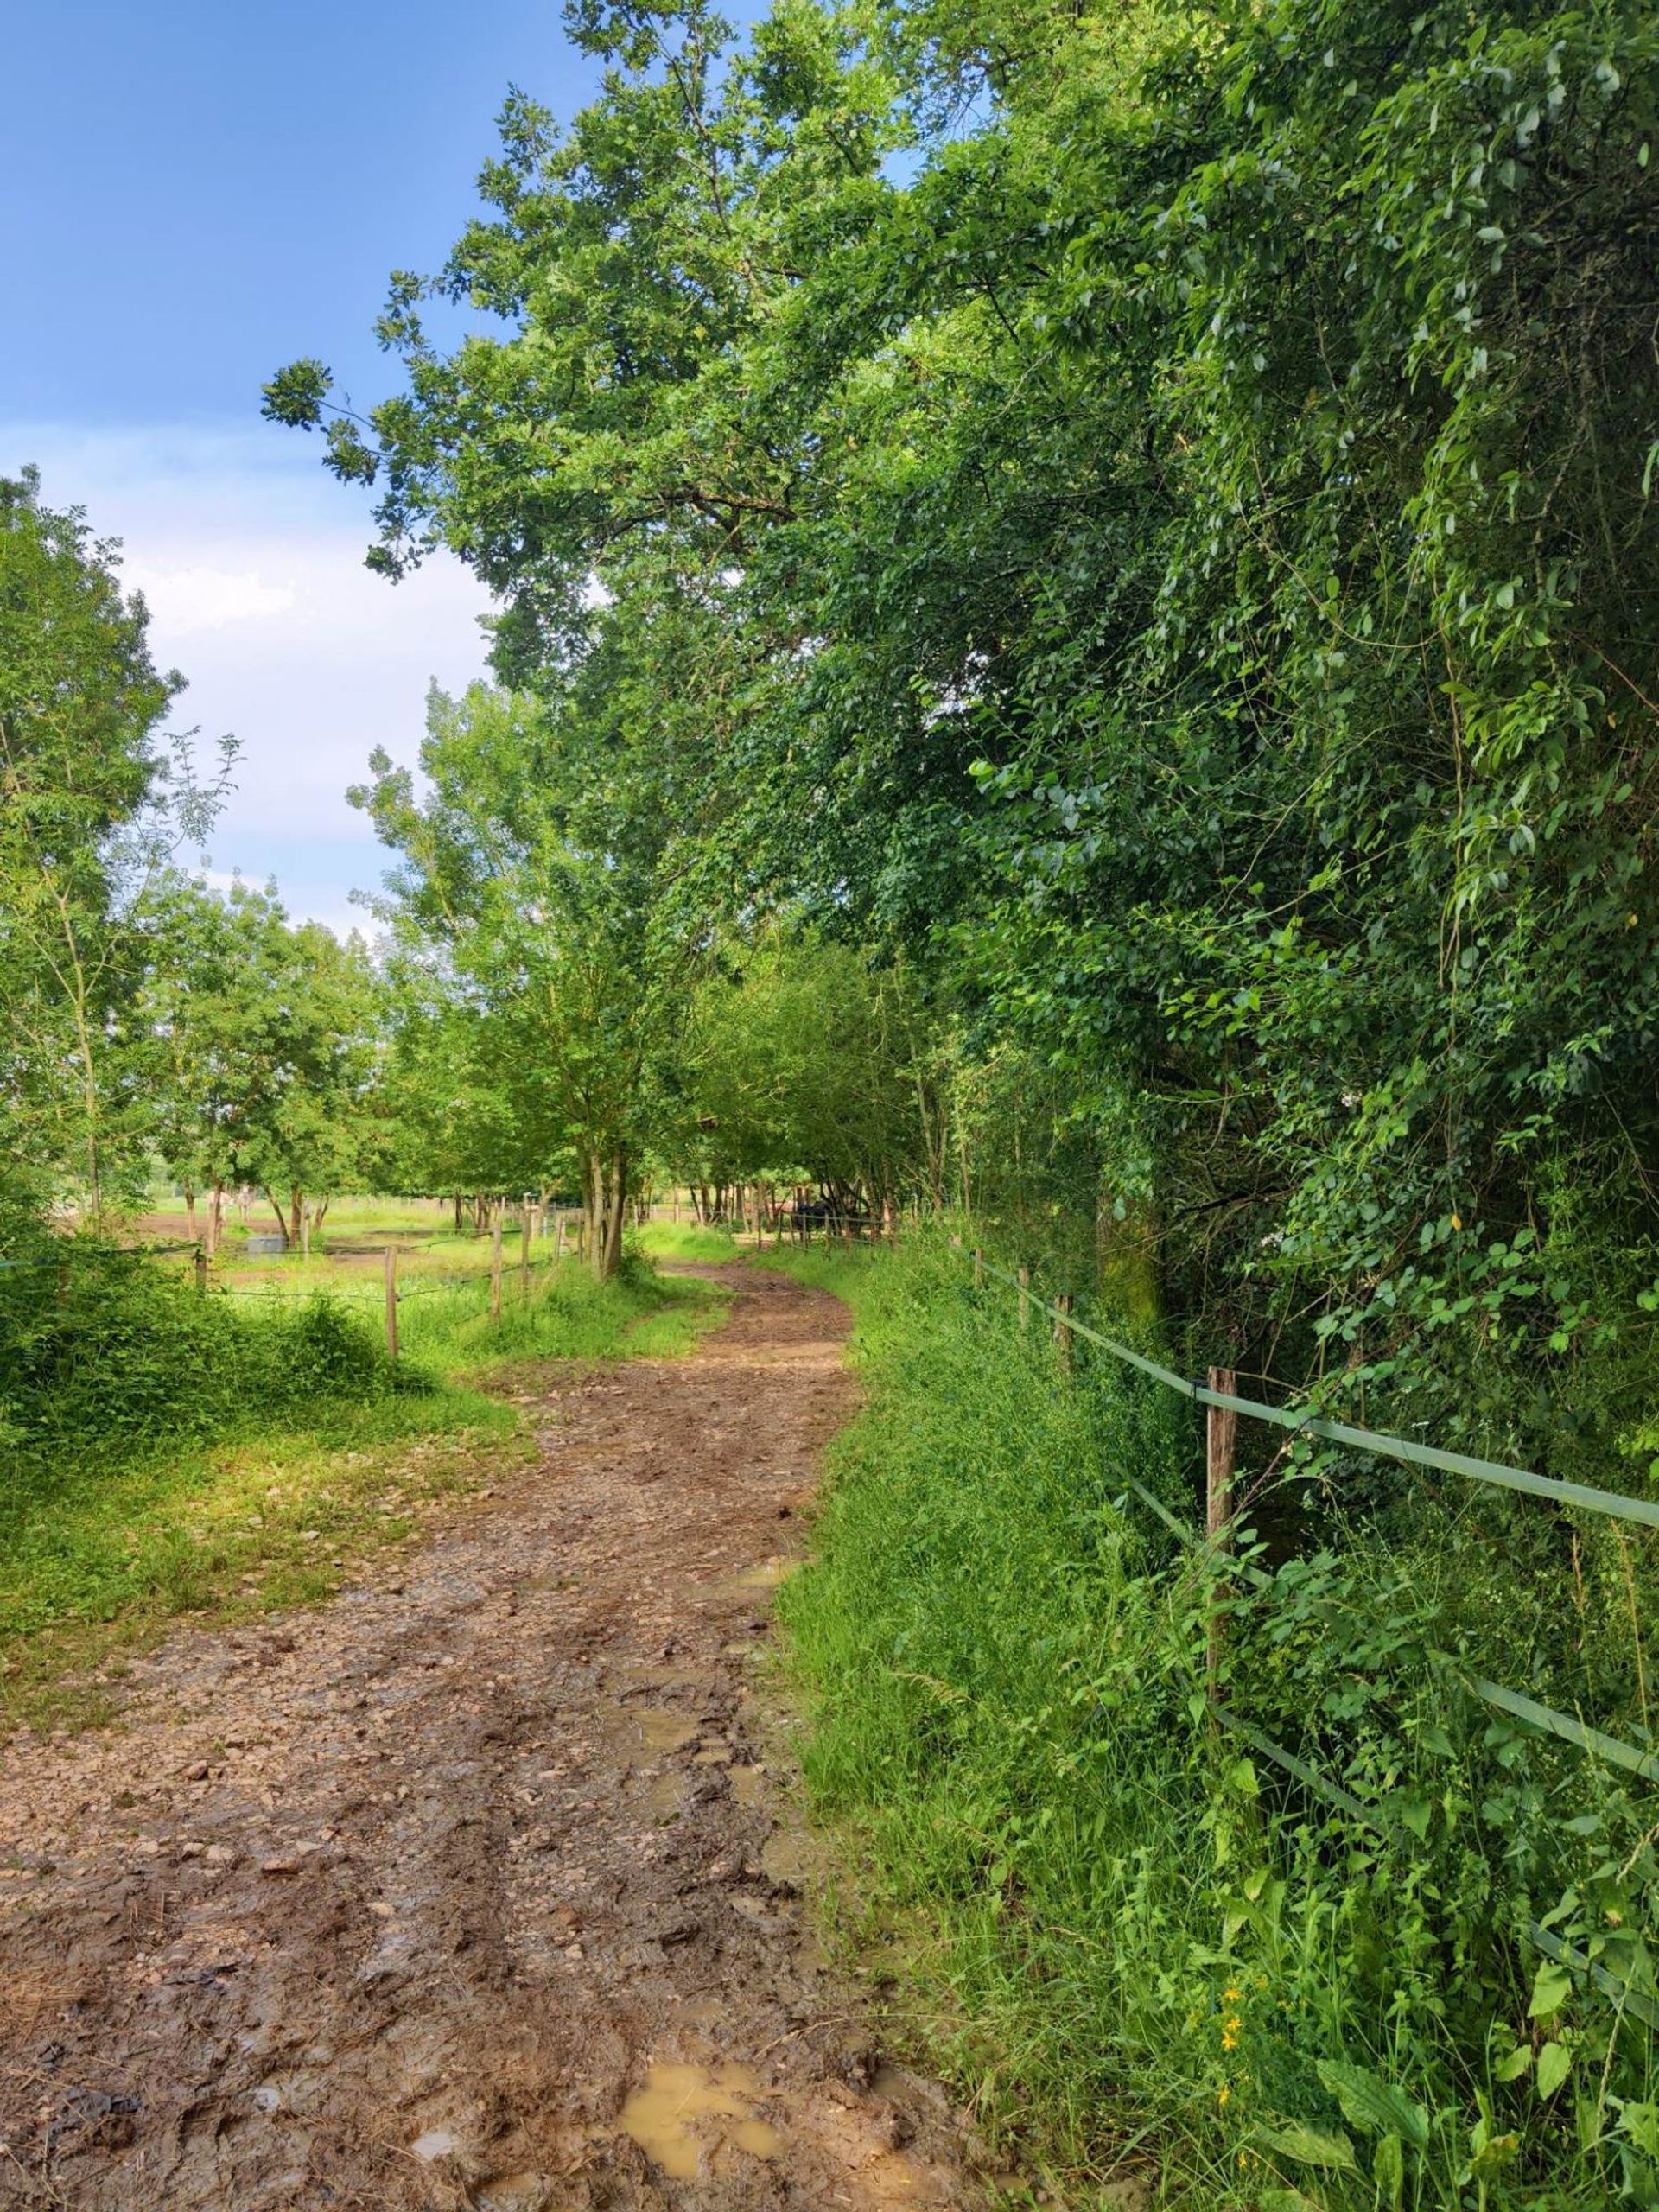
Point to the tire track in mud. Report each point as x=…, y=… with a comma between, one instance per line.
x=469, y=1891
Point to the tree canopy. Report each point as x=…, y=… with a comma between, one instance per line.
x=1156, y=511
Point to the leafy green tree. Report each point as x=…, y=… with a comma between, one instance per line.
x=251, y=1047
x=93, y=797
x=1147, y=557
x=452, y=1111
x=540, y=869
x=803, y=1064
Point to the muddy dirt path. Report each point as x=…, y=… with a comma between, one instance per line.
x=469, y=1891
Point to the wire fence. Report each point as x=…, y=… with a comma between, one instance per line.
x=389, y=1295
x=1211, y=1546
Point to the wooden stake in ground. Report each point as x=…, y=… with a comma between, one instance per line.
x=495, y=1268
x=1062, y=1331
x=979, y=1268
x=558, y=1240
x=524, y=1226
x=1221, y=1439
x=1022, y=1276
x=392, y=1300
x=201, y=1268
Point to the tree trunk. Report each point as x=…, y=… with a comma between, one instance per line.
x=457, y=1205
x=216, y=1218
x=616, y=1213
x=295, y=1213
x=190, y=1206
x=593, y=1212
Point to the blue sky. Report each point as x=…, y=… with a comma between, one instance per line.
x=191, y=195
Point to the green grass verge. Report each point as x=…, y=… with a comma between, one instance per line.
x=1128, y=1945
x=220, y=1457
x=686, y=1240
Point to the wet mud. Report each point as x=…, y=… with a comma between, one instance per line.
x=472, y=1890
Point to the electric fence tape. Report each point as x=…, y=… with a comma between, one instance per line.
x=1544, y=1718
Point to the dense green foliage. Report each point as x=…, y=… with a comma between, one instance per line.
x=91, y=797
x=1132, y=1916
x=1171, y=553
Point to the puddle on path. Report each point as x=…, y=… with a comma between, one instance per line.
x=663, y=1730
x=766, y=1575
x=663, y=1797
x=660, y=1674
x=789, y=1858
x=683, y=2110
x=746, y=1783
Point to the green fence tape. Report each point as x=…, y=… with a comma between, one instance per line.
x=1307, y=1423
x=1321, y=1785
x=1545, y=1717
x=1611, y=1985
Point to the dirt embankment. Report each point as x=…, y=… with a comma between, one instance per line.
x=469, y=1891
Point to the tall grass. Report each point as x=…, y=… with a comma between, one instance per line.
x=1128, y=1933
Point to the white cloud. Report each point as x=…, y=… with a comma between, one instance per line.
x=250, y=558
x=218, y=879
x=183, y=601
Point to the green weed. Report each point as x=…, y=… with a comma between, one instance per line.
x=1123, y=1927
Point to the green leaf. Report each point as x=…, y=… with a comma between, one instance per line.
x=1554, y=2065
x=1550, y=1991
x=1641, y=2123
x=1389, y=2171
x=1512, y=2068
x=1310, y=2147
x=1372, y=2105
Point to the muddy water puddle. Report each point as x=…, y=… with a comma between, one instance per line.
x=659, y=1674
x=682, y=2111
x=746, y=1783
x=665, y=1796
x=764, y=1574
x=663, y=1730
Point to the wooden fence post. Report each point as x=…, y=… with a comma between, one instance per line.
x=392, y=1300
x=1221, y=1439
x=1062, y=1331
x=1022, y=1276
x=558, y=1240
x=524, y=1251
x=979, y=1268
x=495, y=1268
x=201, y=1269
